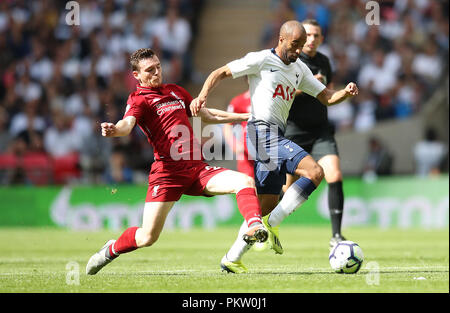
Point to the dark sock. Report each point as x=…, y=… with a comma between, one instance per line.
x=336, y=206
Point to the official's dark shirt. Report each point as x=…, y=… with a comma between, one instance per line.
x=307, y=114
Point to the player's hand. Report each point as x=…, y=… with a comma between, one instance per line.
x=197, y=104
x=108, y=129
x=351, y=89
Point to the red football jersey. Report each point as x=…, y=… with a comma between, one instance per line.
x=241, y=104
x=163, y=115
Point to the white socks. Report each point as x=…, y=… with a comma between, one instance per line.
x=239, y=247
x=292, y=199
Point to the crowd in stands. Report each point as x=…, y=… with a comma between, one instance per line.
x=396, y=64
x=398, y=59
x=59, y=81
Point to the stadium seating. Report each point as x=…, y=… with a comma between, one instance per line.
x=66, y=168
x=38, y=168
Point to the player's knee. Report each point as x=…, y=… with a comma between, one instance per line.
x=316, y=174
x=334, y=177
x=245, y=181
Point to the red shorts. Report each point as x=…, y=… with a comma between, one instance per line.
x=169, y=180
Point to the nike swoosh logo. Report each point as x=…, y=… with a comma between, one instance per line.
x=273, y=70
x=346, y=265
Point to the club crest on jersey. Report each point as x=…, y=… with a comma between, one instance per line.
x=283, y=92
x=289, y=148
x=155, y=191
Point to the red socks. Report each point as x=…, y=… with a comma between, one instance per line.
x=125, y=243
x=248, y=205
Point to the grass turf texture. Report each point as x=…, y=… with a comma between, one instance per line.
x=35, y=260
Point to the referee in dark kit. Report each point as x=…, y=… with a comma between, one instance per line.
x=308, y=126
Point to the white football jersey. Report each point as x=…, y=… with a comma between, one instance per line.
x=273, y=84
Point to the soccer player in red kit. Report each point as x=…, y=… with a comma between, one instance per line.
x=240, y=104
x=162, y=112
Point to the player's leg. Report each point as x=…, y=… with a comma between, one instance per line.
x=243, y=186
x=290, y=179
x=333, y=176
x=269, y=202
x=155, y=214
x=311, y=174
x=231, y=262
x=132, y=238
x=228, y=181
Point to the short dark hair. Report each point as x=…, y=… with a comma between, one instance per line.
x=138, y=55
x=311, y=21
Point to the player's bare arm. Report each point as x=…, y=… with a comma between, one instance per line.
x=121, y=128
x=214, y=116
x=211, y=82
x=332, y=97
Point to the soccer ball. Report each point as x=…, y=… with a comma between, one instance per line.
x=346, y=257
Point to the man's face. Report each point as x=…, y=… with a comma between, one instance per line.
x=314, y=39
x=149, y=73
x=291, y=46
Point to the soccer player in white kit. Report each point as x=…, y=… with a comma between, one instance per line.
x=274, y=75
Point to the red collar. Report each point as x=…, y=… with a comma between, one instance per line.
x=146, y=90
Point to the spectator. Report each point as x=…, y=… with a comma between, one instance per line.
x=95, y=151
x=41, y=68
x=28, y=120
x=60, y=139
x=365, y=117
x=5, y=136
x=172, y=35
x=118, y=170
x=429, y=154
x=27, y=89
x=428, y=64
x=375, y=76
x=378, y=79
x=379, y=160
x=341, y=115
x=406, y=100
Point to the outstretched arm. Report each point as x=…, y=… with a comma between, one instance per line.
x=332, y=97
x=211, y=82
x=121, y=128
x=214, y=116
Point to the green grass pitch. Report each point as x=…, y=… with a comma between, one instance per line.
x=49, y=260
